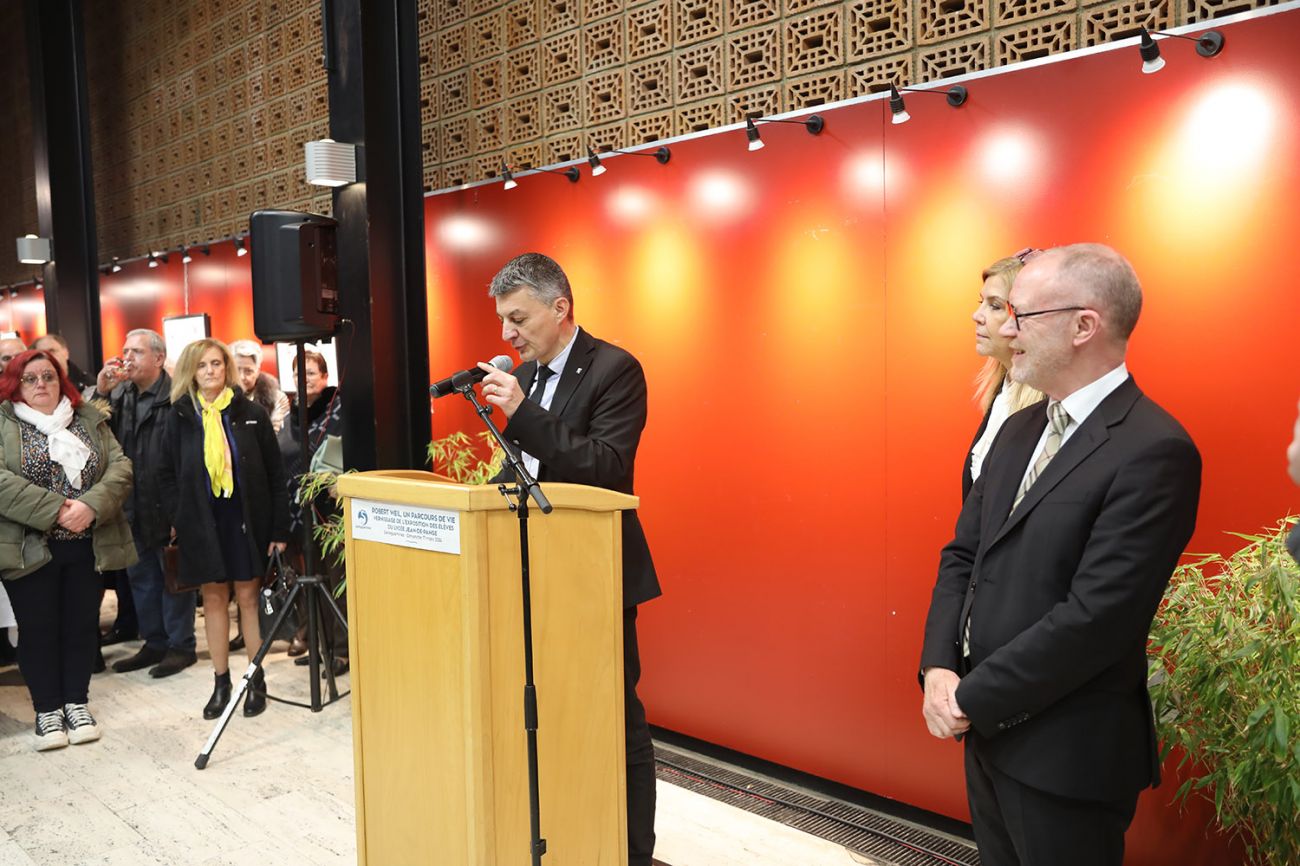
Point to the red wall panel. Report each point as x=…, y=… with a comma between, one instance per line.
x=803, y=317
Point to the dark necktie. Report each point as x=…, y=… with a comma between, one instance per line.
x=539, y=384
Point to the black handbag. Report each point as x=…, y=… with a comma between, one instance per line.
x=172, y=579
x=276, y=584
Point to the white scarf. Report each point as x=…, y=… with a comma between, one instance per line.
x=65, y=448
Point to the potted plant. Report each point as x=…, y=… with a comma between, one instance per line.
x=1226, y=690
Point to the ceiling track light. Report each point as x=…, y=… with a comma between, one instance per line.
x=814, y=124
x=116, y=266
x=571, y=172
x=956, y=96
x=1208, y=44
x=155, y=258
x=508, y=179
x=186, y=258
x=594, y=161
x=662, y=153
x=241, y=246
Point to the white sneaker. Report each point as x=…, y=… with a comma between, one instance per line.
x=80, y=723
x=49, y=731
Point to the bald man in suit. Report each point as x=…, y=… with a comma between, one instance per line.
x=1035, y=642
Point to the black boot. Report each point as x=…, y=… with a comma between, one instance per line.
x=220, y=696
x=255, y=696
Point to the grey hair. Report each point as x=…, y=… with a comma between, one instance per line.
x=541, y=275
x=156, y=342
x=247, y=349
x=1108, y=279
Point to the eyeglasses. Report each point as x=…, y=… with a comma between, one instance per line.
x=1016, y=315
x=30, y=379
x=1026, y=254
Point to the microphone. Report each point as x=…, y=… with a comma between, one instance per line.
x=456, y=381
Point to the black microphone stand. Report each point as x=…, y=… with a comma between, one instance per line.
x=526, y=486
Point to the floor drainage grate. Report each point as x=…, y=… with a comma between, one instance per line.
x=881, y=837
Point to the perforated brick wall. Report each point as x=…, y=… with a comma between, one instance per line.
x=199, y=110
x=620, y=73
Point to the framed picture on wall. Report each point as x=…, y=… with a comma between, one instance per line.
x=180, y=331
x=286, y=352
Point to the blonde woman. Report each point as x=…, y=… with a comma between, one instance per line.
x=998, y=397
x=224, y=485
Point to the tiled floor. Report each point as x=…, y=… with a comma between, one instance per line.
x=278, y=789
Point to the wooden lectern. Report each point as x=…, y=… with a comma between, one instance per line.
x=436, y=642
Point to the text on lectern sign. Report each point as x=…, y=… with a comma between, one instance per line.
x=406, y=526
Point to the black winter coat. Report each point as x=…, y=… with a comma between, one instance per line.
x=151, y=523
x=187, y=490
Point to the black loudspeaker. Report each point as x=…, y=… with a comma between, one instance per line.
x=295, y=275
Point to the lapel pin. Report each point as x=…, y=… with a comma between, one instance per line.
x=578, y=371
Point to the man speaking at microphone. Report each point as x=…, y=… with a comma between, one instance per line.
x=576, y=407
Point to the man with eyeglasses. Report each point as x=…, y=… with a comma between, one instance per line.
x=139, y=391
x=1035, y=642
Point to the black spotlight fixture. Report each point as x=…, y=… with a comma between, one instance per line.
x=155, y=258
x=1208, y=44
x=597, y=169
x=241, y=246
x=662, y=154
x=185, y=254
x=898, y=109
x=814, y=123
x=116, y=267
x=508, y=179
x=571, y=172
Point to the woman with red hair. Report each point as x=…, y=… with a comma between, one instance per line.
x=63, y=479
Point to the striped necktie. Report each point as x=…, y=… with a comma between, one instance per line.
x=1059, y=419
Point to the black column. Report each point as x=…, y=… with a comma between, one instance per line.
x=372, y=51
x=65, y=194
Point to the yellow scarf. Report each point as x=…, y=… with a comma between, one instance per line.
x=216, y=450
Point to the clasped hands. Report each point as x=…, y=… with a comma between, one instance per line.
x=943, y=716
x=75, y=515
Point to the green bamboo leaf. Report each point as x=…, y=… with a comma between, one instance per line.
x=1281, y=728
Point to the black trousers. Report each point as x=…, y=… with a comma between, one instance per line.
x=57, y=608
x=1016, y=825
x=640, y=754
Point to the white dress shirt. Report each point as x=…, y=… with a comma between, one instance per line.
x=1079, y=406
x=557, y=363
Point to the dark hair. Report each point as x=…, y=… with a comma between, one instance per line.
x=11, y=379
x=57, y=338
x=316, y=358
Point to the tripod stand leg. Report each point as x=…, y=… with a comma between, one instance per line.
x=253, y=666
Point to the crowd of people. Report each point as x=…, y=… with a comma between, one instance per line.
x=149, y=482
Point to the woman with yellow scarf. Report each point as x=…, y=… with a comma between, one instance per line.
x=223, y=484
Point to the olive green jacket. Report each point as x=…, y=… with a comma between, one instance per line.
x=27, y=509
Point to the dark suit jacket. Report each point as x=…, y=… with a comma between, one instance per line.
x=1061, y=595
x=590, y=436
x=966, y=481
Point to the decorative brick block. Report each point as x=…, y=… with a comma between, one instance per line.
x=433, y=177
x=814, y=90
x=455, y=141
x=488, y=129
x=459, y=173
x=527, y=156
x=796, y=7
x=487, y=83
x=559, y=15
x=610, y=136
x=752, y=104
x=875, y=76
x=649, y=30
x=696, y=20
x=561, y=58
x=487, y=166
x=524, y=118
x=521, y=23
x=448, y=12
x=947, y=61
x=1122, y=20
x=753, y=57
x=564, y=148
x=524, y=69
x=942, y=20
x=429, y=143
x=877, y=27
x=604, y=97
x=594, y=9
x=1035, y=39
x=602, y=44
x=562, y=107
x=650, y=85
x=478, y=7
x=698, y=117
x=699, y=72
x=429, y=57
x=814, y=41
x=652, y=127
x=428, y=99
x=1011, y=11
x=453, y=94
x=1204, y=10
x=453, y=48
x=487, y=36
